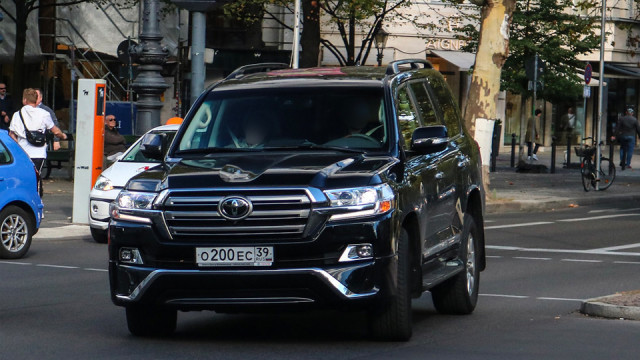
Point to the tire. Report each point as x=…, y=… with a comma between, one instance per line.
x=585, y=172
x=151, y=321
x=100, y=236
x=459, y=295
x=16, y=232
x=393, y=321
x=607, y=173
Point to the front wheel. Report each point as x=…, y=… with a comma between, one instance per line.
x=151, y=320
x=586, y=174
x=607, y=173
x=459, y=295
x=100, y=236
x=16, y=230
x=393, y=321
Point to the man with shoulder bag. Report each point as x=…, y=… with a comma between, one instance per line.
x=28, y=128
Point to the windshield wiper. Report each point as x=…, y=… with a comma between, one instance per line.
x=315, y=147
x=212, y=150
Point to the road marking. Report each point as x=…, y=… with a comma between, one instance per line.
x=620, y=247
x=494, y=256
x=565, y=251
x=57, y=266
x=597, y=217
x=530, y=258
x=582, y=260
x=506, y=296
x=518, y=225
x=100, y=270
x=15, y=263
x=610, y=210
x=627, y=262
x=559, y=299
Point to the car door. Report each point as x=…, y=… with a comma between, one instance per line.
x=438, y=178
x=7, y=174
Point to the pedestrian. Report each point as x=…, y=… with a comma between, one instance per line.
x=626, y=131
x=6, y=107
x=34, y=119
x=41, y=105
x=114, y=143
x=533, y=123
x=568, y=123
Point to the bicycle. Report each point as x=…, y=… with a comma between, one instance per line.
x=590, y=177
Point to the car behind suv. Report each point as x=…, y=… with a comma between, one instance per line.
x=353, y=188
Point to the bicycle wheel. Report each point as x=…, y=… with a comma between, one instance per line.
x=586, y=174
x=607, y=173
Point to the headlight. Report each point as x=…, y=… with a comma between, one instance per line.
x=103, y=184
x=132, y=200
x=362, y=201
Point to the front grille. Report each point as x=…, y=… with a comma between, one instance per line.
x=277, y=215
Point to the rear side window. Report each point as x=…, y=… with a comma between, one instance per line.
x=5, y=155
x=449, y=108
x=408, y=119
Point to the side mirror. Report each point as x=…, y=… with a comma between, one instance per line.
x=152, y=146
x=429, y=139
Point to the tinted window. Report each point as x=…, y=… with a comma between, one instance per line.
x=408, y=119
x=5, y=155
x=135, y=155
x=449, y=108
x=285, y=117
x=424, y=104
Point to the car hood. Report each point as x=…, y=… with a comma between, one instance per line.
x=317, y=169
x=121, y=171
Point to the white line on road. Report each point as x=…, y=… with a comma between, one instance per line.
x=15, y=263
x=58, y=266
x=582, y=260
x=597, y=217
x=627, y=262
x=566, y=251
x=90, y=269
x=506, y=296
x=530, y=258
x=518, y=225
x=558, y=299
x=529, y=297
x=620, y=247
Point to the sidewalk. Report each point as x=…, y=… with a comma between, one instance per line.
x=526, y=192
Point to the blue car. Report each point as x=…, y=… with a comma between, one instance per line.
x=20, y=202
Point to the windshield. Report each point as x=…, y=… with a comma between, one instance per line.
x=320, y=117
x=135, y=155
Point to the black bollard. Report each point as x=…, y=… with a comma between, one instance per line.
x=568, y=151
x=553, y=155
x=513, y=150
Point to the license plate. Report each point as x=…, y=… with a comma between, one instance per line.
x=235, y=256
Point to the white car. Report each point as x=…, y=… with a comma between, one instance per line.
x=114, y=178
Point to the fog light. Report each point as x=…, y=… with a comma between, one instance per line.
x=357, y=252
x=130, y=256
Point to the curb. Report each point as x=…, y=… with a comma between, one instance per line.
x=596, y=307
x=533, y=205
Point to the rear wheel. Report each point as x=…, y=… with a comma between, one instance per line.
x=99, y=235
x=607, y=173
x=459, y=295
x=151, y=320
x=393, y=321
x=16, y=230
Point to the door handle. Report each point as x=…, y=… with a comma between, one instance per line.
x=439, y=175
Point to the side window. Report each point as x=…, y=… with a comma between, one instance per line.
x=408, y=119
x=448, y=106
x=424, y=104
x=5, y=156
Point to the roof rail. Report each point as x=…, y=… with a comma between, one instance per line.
x=255, y=68
x=394, y=66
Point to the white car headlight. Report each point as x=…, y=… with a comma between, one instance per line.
x=103, y=184
x=132, y=200
x=361, y=201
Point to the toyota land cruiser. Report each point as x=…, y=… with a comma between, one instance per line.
x=353, y=188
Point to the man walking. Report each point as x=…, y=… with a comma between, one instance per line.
x=6, y=107
x=626, y=131
x=41, y=105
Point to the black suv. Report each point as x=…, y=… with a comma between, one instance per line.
x=355, y=188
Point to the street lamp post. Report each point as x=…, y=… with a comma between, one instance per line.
x=381, y=42
x=151, y=55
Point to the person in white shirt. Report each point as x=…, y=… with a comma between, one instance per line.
x=35, y=118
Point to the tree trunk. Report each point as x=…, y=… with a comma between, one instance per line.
x=18, y=60
x=310, y=37
x=493, y=49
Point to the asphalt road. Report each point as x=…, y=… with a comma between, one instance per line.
x=54, y=304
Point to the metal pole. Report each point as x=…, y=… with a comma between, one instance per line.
x=600, y=91
x=149, y=84
x=72, y=110
x=296, y=36
x=533, y=107
x=198, y=30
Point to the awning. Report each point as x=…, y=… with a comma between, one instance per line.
x=461, y=59
x=621, y=71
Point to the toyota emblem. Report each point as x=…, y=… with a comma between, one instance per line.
x=235, y=207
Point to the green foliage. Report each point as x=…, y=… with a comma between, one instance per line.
x=558, y=31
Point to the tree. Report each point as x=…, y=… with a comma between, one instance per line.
x=350, y=18
x=23, y=8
